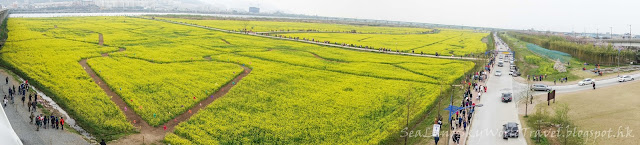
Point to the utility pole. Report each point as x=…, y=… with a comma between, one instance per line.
x=574, y=32
x=611, y=32
x=597, y=34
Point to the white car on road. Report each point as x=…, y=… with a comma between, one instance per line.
x=498, y=73
x=587, y=81
x=625, y=78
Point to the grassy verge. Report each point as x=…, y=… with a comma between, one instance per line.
x=552, y=125
x=4, y=31
x=531, y=63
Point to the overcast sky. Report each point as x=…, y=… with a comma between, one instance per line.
x=554, y=15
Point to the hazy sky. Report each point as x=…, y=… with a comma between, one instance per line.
x=554, y=15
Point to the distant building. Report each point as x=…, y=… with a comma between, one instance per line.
x=254, y=10
x=52, y=4
x=145, y=4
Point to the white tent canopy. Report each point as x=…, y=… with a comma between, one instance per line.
x=7, y=135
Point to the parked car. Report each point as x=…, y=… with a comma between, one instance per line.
x=507, y=97
x=586, y=81
x=498, y=73
x=540, y=87
x=625, y=78
x=515, y=74
x=510, y=130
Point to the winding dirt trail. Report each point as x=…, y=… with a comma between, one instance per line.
x=149, y=134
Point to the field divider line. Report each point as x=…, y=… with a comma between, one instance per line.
x=312, y=42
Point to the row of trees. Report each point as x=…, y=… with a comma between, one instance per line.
x=4, y=31
x=589, y=53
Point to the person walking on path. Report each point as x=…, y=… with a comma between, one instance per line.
x=29, y=100
x=457, y=136
x=44, y=122
x=33, y=106
x=594, y=87
x=31, y=118
x=53, y=121
x=23, y=100
x=451, y=122
x=5, y=101
x=465, y=126
x=38, y=123
x=62, y=123
x=57, y=123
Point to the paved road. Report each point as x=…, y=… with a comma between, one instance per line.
x=487, y=123
x=599, y=83
x=486, y=126
x=19, y=118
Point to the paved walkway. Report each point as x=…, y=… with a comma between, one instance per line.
x=317, y=43
x=18, y=115
x=461, y=130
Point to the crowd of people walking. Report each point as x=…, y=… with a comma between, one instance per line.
x=474, y=84
x=40, y=120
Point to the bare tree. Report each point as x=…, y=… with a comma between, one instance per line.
x=245, y=24
x=526, y=97
x=410, y=101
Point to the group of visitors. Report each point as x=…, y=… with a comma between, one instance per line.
x=462, y=119
x=562, y=80
x=536, y=77
x=456, y=137
x=480, y=76
x=42, y=121
x=473, y=84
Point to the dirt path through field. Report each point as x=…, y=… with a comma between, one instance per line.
x=149, y=134
x=322, y=43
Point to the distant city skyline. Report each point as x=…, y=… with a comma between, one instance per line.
x=553, y=15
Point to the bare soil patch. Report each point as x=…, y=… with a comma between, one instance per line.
x=612, y=108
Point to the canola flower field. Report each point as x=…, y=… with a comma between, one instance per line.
x=280, y=26
x=445, y=42
x=297, y=93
